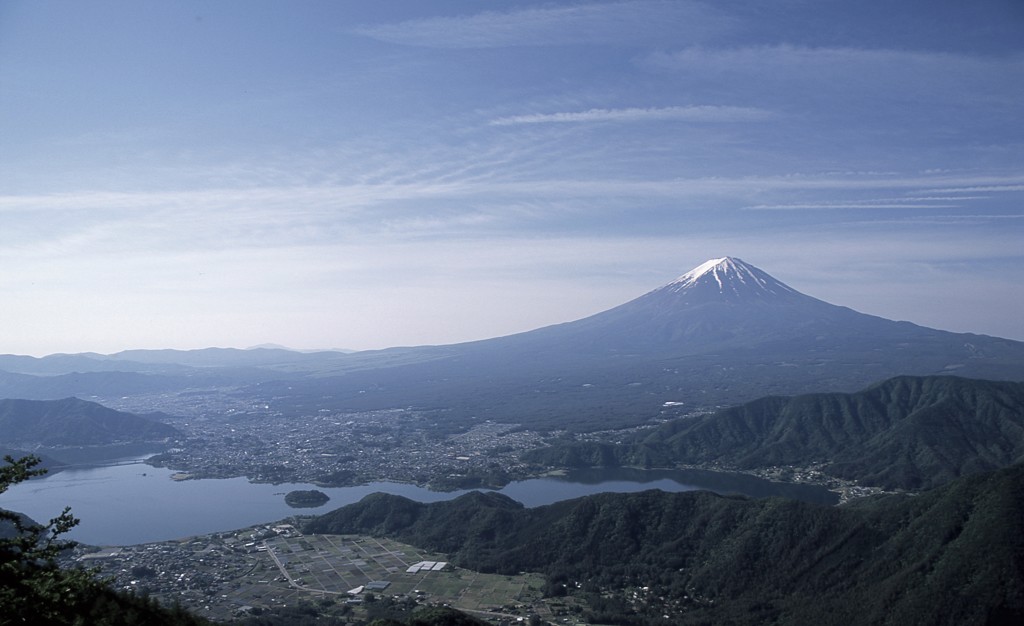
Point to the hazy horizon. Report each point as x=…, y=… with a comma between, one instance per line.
x=271, y=345
x=364, y=175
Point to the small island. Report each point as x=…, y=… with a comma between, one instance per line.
x=306, y=499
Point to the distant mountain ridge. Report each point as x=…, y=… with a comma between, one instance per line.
x=906, y=432
x=73, y=422
x=723, y=333
x=160, y=361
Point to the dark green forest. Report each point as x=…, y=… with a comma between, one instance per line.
x=954, y=555
x=381, y=612
x=904, y=433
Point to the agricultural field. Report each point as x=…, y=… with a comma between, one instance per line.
x=229, y=575
x=355, y=566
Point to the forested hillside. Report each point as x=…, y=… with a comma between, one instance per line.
x=907, y=432
x=954, y=555
x=73, y=422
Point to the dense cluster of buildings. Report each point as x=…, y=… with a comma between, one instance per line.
x=333, y=449
x=204, y=572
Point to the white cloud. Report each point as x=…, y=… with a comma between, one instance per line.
x=846, y=205
x=940, y=220
x=982, y=188
x=643, y=21
x=942, y=198
x=464, y=205
x=830, y=59
x=698, y=113
x=882, y=76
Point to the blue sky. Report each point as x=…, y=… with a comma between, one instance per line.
x=367, y=174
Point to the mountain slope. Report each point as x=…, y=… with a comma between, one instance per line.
x=723, y=333
x=906, y=432
x=73, y=422
x=951, y=556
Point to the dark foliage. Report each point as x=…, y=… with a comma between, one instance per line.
x=431, y=616
x=35, y=590
x=381, y=612
x=300, y=615
x=954, y=555
x=302, y=498
x=440, y=616
x=907, y=432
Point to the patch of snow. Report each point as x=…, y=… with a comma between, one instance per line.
x=731, y=273
x=690, y=278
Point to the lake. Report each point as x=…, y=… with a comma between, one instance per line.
x=130, y=502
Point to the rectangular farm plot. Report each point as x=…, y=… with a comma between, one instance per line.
x=426, y=566
x=337, y=564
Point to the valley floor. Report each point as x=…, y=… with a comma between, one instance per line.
x=225, y=576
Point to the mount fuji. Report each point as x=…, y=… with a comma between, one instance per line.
x=722, y=333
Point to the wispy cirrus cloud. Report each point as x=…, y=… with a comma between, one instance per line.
x=942, y=198
x=846, y=205
x=899, y=202
x=586, y=23
x=830, y=59
x=443, y=184
x=697, y=113
x=943, y=220
x=896, y=74
x=983, y=188
x=438, y=207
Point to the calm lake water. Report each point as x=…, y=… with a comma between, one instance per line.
x=134, y=503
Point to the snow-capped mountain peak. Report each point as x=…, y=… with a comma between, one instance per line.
x=730, y=276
